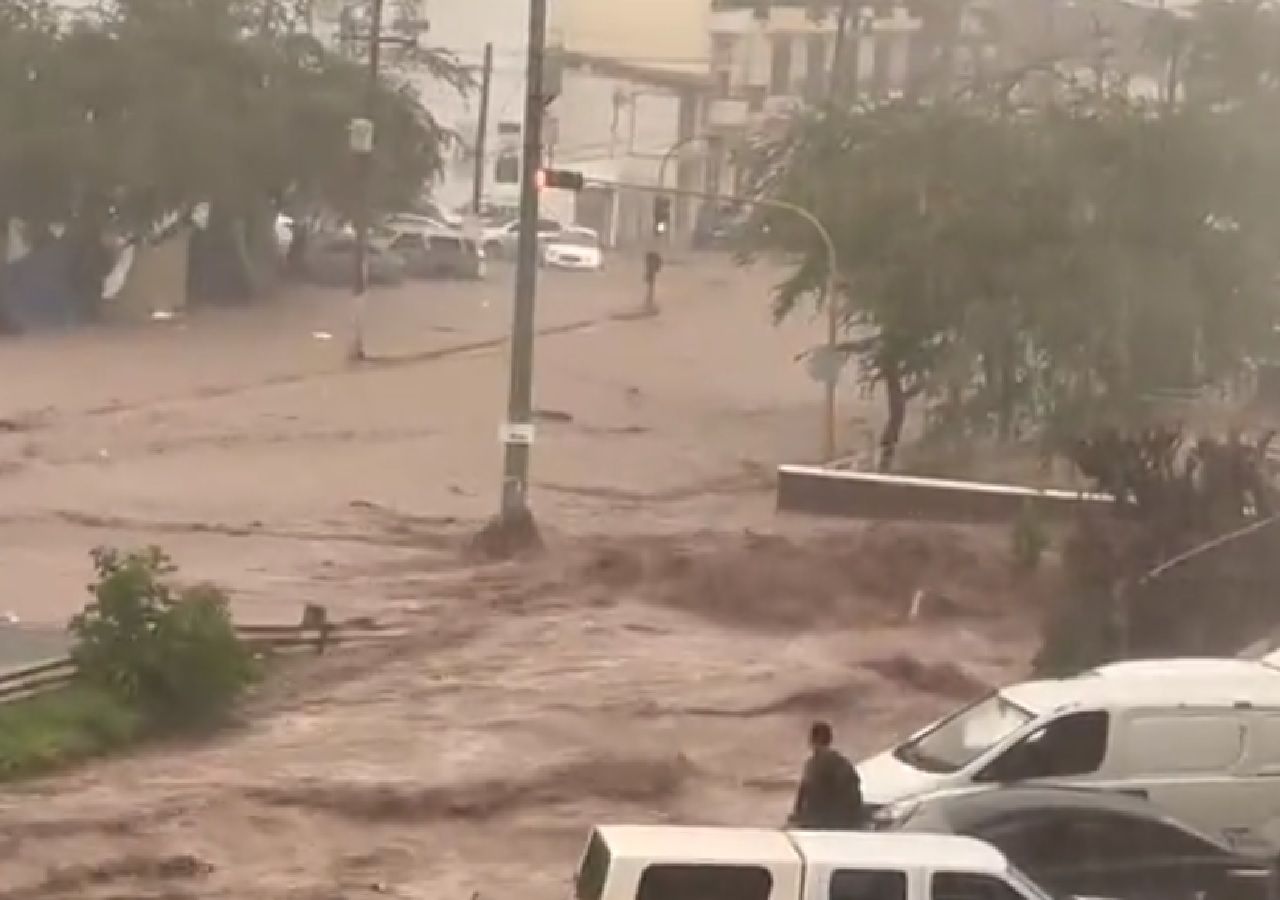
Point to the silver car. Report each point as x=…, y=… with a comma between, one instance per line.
x=332, y=262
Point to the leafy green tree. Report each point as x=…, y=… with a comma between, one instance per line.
x=168, y=651
x=131, y=118
x=1031, y=267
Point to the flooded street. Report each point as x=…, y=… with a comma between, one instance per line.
x=658, y=663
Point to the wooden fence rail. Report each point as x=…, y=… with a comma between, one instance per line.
x=29, y=681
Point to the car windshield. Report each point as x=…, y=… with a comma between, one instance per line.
x=959, y=739
x=578, y=239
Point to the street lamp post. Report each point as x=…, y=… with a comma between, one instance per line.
x=362, y=144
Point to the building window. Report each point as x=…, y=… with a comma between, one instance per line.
x=705, y=882
x=723, y=83
x=506, y=170
x=722, y=46
x=780, y=66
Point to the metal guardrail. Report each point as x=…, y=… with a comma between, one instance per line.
x=30, y=681
x=819, y=490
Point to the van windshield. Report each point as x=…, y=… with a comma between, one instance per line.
x=962, y=737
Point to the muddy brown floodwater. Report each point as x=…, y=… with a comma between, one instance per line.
x=659, y=662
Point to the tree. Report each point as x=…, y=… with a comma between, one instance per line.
x=1044, y=266
x=130, y=119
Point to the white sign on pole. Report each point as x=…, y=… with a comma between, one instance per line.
x=517, y=433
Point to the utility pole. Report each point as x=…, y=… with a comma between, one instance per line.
x=836, y=82
x=362, y=143
x=835, y=91
x=517, y=434
x=482, y=130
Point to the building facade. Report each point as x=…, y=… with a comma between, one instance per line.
x=635, y=79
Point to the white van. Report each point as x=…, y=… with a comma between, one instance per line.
x=1198, y=737
x=636, y=862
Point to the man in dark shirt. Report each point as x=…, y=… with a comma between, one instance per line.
x=830, y=794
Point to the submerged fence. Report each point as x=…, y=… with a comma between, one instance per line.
x=32, y=680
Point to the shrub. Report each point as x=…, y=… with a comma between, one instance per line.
x=170, y=652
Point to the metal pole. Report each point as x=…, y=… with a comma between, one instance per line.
x=517, y=435
x=364, y=213
x=835, y=82
x=671, y=152
x=482, y=130
x=835, y=87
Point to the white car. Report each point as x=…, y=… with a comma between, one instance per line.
x=501, y=241
x=574, y=248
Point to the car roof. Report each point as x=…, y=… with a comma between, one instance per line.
x=899, y=850
x=427, y=231
x=763, y=846
x=973, y=804
x=575, y=232
x=708, y=845
x=1187, y=682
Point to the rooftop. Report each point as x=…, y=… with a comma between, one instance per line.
x=1161, y=682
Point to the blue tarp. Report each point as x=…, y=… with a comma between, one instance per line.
x=38, y=294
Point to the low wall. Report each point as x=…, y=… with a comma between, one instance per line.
x=867, y=495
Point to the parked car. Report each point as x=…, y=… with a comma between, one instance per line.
x=331, y=261
x=430, y=209
x=1094, y=843
x=574, y=248
x=1198, y=737
x=435, y=253
x=406, y=220
x=501, y=241
x=672, y=863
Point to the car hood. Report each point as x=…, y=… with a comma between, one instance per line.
x=887, y=779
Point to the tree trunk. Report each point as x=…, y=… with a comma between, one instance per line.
x=896, y=398
x=5, y=327
x=1007, y=397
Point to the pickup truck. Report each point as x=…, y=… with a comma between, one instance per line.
x=626, y=862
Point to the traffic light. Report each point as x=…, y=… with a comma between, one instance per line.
x=661, y=215
x=561, y=178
